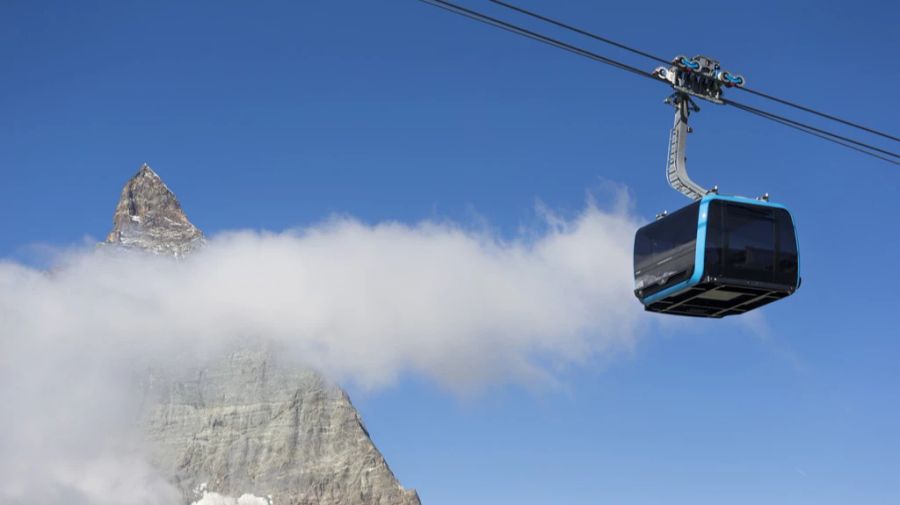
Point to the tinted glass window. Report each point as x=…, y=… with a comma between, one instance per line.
x=786, y=259
x=660, y=238
x=749, y=242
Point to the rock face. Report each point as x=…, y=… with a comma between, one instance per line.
x=149, y=217
x=245, y=421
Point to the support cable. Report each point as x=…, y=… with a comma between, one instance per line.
x=586, y=33
x=666, y=61
x=813, y=130
x=518, y=30
x=810, y=130
x=821, y=114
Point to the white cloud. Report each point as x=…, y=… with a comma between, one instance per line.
x=363, y=303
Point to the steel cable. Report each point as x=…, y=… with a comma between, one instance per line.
x=667, y=62
x=518, y=30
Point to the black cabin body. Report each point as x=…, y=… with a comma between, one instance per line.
x=719, y=256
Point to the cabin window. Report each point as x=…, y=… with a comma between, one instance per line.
x=660, y=239
x=752, y=243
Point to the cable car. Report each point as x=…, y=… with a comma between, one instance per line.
x=719, y=256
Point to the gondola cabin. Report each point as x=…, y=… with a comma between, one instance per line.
x=719, y=256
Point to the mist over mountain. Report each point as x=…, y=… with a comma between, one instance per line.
x=242, y=421
x=166, y=366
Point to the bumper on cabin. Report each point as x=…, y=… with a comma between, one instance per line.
x=715, y=297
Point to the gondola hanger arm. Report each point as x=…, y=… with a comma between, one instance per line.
x=699, y=77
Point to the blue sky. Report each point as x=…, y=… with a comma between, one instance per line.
x=277, y=114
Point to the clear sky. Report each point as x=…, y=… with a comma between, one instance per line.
x=277, y=114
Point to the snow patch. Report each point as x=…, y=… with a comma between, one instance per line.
x=209, y=498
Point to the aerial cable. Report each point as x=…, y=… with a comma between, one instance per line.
x=811, y=129
x=837, y=139
x=822, y=114
x=586, y=33
x=518, y=30
x=666, y=61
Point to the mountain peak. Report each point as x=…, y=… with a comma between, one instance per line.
x=146, y=171
x=150, y=218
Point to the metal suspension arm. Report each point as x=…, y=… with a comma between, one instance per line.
x=676, y=168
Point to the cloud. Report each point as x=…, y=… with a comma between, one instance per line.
x=362, y=303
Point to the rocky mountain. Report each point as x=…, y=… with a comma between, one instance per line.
x=245, y=420
x=149, y=217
